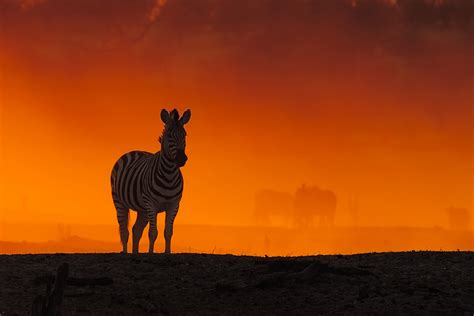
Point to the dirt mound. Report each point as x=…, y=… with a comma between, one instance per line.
x=103, y=284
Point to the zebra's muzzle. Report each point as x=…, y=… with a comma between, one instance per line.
x=181, y=158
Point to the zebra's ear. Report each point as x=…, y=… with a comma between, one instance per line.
x=186, y=116
x=165, y=116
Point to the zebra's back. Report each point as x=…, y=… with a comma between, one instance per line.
x=127, y=179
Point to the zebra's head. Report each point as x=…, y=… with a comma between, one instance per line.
x=173, y=140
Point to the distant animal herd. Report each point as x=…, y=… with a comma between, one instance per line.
x=306, y=207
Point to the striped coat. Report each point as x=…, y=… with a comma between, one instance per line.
x=151, y=183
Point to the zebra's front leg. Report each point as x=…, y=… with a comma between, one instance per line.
x=169, y=220
x=137, y=230
x=152, y=230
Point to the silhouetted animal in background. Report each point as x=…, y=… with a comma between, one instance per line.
x=459, y=218
x=271, y=206
x=311, y=202
x=151, y=183
x=298, y=210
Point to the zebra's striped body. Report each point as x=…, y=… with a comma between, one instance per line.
x=140, y=179
x=151, y=183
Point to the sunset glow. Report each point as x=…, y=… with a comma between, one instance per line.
x=372, y=100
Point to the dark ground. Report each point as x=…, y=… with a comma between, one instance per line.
x=380, y=283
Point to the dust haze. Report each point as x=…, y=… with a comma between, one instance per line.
x=370, y=100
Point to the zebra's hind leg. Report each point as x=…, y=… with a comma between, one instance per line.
x=122, y=217
x=137, y=230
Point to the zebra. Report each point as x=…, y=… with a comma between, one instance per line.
x=151, y=183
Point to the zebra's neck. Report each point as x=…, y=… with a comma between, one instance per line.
x=166, y=155
x=164, y=167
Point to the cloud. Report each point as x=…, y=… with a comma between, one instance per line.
x=252, y=39
x=156, y=10
x=28, y=4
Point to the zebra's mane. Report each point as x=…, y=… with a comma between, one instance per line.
x=169, y=127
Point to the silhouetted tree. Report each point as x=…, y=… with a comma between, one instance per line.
x=354, y=210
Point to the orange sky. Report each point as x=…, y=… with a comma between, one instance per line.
x=365, y=98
